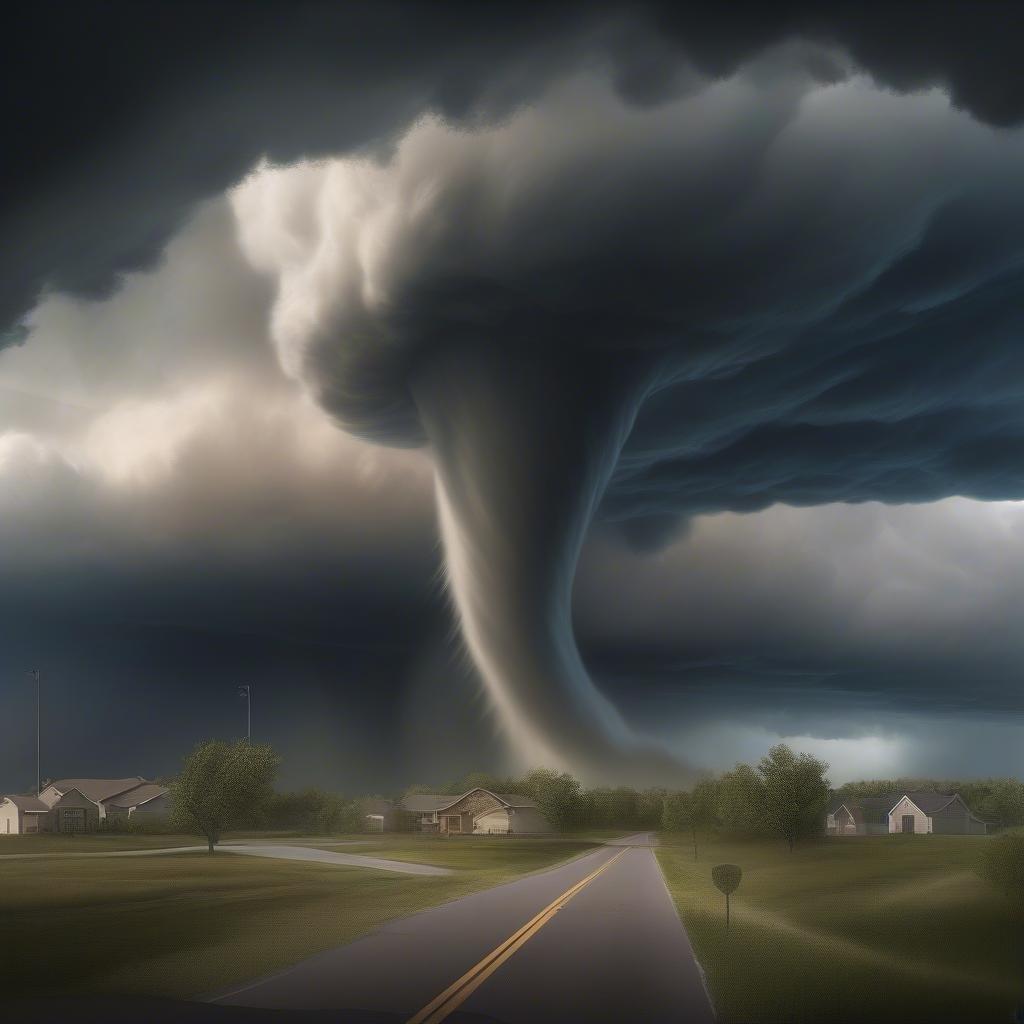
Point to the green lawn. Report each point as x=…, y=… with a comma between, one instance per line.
x=185, y=924
x=93, y=842
x=879, y=929
x=98, y=842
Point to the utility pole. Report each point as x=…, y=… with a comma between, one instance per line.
x=246, y=692
x=35, y=674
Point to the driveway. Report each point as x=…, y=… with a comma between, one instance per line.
x=595, y=941
x=276, y=851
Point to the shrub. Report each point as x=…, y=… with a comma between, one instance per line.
x=1002, y=866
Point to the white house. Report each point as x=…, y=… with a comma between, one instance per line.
x=479, y=812
x=919, y=812
x=21, y=814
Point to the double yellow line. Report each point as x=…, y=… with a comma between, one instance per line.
x=458, y=992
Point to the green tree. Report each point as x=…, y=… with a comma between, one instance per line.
x=691, y=812
x=223, y=785
x=649, y=806
x=795, y=793
x=1003, y=804
x=741, y=800
x=703, y=808
x=558, y=795
x=675, y=813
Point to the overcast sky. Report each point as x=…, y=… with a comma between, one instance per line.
x=330, y=351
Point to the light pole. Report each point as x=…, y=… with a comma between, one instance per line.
x=246, y=692
x=35, y=674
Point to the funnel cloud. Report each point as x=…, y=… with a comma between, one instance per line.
x=768, y=289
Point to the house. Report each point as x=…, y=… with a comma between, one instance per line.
x=919, y=811
x=21, y=814
x=66, y=811
x=79, y=805
x=99, y=792
x=479, y=812
x=146, y=801
x=868, y=816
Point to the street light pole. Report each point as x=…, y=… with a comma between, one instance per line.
x=246, y=692
x=35, y=674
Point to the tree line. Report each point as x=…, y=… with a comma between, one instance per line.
x=785, y=795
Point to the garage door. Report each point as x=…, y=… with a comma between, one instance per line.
x=492, y=821
x=72, y=819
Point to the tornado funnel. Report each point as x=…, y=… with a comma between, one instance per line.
x=524, y=447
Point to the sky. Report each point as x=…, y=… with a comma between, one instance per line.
x=603, y=387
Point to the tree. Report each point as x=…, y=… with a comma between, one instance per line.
x=675, y=814
x=222, y=786
x=558, y=795
x=741, y=800
x=1003, y=804
x=795, y=793
x=691, y=812
x=649, y=806
x=703, y=808
x=314, y=810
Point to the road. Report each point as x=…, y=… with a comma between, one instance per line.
x=594, y=941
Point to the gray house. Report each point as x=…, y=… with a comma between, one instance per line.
x=79, y=805
x=478, y=812
x=919, y=812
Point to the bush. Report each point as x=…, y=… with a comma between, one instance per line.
x=1002, y=866
x=313, y=810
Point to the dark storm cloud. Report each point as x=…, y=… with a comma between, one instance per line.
x=654, y=262
x=762, y=290
x=119, y=116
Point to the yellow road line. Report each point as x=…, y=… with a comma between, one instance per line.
x=459, y=991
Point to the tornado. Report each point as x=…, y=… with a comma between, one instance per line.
x=656, y=311
x=524, y=451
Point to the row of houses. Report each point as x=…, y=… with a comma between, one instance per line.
x=917, y=812
x=79, y=805
x=476, y=812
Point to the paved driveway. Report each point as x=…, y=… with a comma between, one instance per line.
x=276, y=851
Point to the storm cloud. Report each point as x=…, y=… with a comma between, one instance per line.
x=639, y=266
x=126, y=115
x=766, y=290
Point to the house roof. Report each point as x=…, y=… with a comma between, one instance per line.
x=427, y=802
x=875, y=803
x=139, y=795
x=867, y=803
x=98, y=790
x=926, y=800
x=31, y=804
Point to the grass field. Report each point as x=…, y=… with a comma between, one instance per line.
x=876, y=929
x=93, y=842
x=186, y=924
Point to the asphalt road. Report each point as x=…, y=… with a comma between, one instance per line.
x=614, y=951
